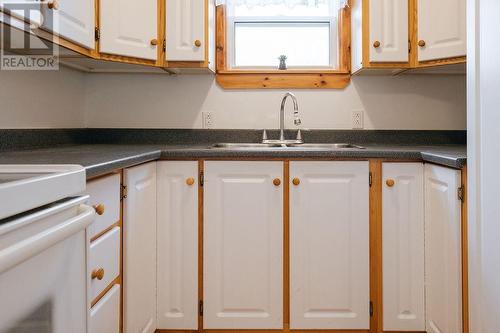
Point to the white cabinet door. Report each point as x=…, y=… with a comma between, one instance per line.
x=243, y=245
x=443, y=269
x=329, y=246
x=73, y=20
x=442, y=26
x=388, y=30
x=185, y=30
x=27, y=10
x=177, y=236
x=128, y=27
x=139, y=249
x=403, y=246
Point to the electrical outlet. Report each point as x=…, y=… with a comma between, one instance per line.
x=208, y=120
x=357, y=119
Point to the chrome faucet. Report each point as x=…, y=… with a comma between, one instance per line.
x=296, y=121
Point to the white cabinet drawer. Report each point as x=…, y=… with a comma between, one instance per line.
x=105, y=315
x=104, y=254
x=104, y=191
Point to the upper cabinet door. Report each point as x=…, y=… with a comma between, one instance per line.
x=443, y=269
x=177, y=287
x=129, y=28
x=329, y=245
x=403, y=246
x=139, y=249
x=441, y=29
x=185, y=30
x=73, y=20
x=388, y=30
x=243, y=245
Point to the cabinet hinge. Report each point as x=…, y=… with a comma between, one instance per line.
x=164, y=45
x=202, y=178
x=97, y=33
x=371, y=309
x=461, y=193
x=200, y=308
x=409, y=46
x=123, y=192
x=370, y=179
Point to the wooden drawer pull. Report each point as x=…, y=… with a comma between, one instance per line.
x=296, y=181
x=197, y=43
x=190, y=181
x=277, y=182
x=390, y=182
x=99, y=209
x=421, y=43
x=97, y=274
x=154, y=42
x=54, y=5
x=376, y=44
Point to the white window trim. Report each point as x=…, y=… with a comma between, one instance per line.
x=334, y=39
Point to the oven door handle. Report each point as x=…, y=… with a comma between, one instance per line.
x=31, y=246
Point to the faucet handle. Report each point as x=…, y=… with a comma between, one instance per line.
x=264, y=135
x=299, y=135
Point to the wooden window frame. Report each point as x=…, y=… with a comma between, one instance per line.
x=284, y=79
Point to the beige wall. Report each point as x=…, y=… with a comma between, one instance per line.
x=404, y=102
x=42, y=99
x=72, y=99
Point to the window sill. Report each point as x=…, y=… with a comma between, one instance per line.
x=279, y=79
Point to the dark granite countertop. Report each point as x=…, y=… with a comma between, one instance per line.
x=99, y=159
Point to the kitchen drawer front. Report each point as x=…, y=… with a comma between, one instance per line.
x=105, y=314
x=105, y=255
x=106, y=192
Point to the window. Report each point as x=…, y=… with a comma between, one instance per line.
x=282, y=37
x=305, y=31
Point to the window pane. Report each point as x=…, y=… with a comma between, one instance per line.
x=260, y=44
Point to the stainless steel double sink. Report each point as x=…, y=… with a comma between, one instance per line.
x=294, y=146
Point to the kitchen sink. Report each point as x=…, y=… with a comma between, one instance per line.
x=295, y=146
x=325, y=146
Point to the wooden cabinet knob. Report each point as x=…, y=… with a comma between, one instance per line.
x=277, y=182
x=154, y=42
x=197, y=43
x=99, y=209
x=390, y=182
x=296, y=181
x=53, y=5
x=376, y=44
x=421, y=43
x=190, y=181
x=97, y=274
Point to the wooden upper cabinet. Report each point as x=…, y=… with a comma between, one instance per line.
x=329, y=245
x=129, y=28
x=442, y=29
x=73, y=20
x=388, y=31
x=185, y=30
x=243, y=245
x=392, y=36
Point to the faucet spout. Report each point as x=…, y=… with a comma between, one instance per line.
x=297, y=120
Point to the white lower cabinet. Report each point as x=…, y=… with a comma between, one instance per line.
x=105, y=314
x=443, y=268
x=243, y=245
x=177, y=234
x=139, y=253
x=403, y=246
x=329, y=245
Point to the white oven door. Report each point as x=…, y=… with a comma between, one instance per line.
x=43, y=283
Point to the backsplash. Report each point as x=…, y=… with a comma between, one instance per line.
x=72, y=99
